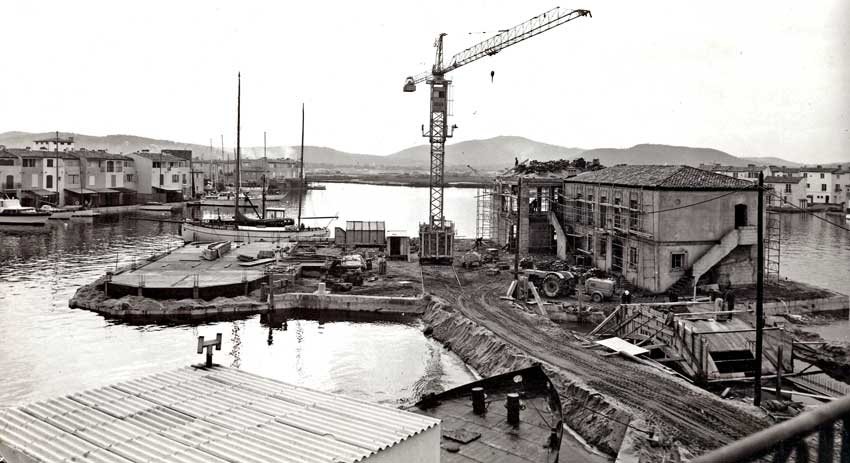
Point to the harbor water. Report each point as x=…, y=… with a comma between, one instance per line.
x=49, y=349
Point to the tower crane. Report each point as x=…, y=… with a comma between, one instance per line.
x=436, y=238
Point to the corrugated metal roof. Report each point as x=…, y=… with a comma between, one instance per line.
x=206, y=415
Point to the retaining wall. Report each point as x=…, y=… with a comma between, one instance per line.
x=349, y=302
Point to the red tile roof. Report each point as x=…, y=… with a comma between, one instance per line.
x=663, y=177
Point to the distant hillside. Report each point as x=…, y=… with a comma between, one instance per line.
x=770, y=161
x=489, y=154
x=662, y=154
x=497, y=152
x=113, y=143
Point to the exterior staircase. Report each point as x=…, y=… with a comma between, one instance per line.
x=559, y=232
x=741, y=236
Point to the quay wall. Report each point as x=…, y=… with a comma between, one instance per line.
x=91, y=297
x=106, y=210
x=490, y=355
x=207, y=293
x=349, y=302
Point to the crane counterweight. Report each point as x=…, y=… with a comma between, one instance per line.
x=436, y=237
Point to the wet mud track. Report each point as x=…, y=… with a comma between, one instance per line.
x=681, y=411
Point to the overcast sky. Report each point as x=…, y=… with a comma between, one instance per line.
x=754, y=78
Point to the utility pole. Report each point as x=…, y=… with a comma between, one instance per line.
x=759, y=292
x=518, y=228
x=56, y=144
x=265, y=169
x=303, y=190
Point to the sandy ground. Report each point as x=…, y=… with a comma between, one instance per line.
x=679, y=410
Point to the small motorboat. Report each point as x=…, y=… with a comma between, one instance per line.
x=12, y=213
x=85, y=213
x=154, y=206
x=516, y=413
x=60, y=213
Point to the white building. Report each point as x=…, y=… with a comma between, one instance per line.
x=162, y=177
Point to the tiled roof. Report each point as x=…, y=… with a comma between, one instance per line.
x=721, y=168
x=663, y=177
x=817, y=169
x=775, y=179
x=99, y=155
x=160, y=157
x=40, y=154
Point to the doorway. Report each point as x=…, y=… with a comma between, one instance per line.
x=617, y=256
x=10, y=182
x=740, y=215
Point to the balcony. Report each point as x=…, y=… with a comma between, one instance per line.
x=7, y=187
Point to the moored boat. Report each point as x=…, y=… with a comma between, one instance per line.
x=154, y=206
x=60, y=213
x=12, y=213
x=85, y=213
x=212, y=230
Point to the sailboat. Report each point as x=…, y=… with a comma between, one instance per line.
x=246, y=229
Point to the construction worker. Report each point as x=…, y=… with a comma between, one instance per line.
x=382, y=265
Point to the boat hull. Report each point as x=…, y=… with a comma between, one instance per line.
x=85, y=213
x=162, y=208
x=61, y=215
x=30, y=220
x=200, y=232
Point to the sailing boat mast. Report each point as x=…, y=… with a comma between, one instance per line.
x=238, y=140
x=266, y=170
x=303, y=190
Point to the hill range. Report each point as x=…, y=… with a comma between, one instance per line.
x=489, y=154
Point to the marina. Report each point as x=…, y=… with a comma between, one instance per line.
x=234, y=255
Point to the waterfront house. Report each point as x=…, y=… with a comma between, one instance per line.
x=160, y=176
x=42, y=175
x=101, y=179
x=821, y=187
x=10, y=174
x=787, y=191
x=662, y=228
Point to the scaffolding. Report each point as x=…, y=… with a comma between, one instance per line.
x=484, y=213
x=772, y=237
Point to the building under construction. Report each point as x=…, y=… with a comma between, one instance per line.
x=661, y=228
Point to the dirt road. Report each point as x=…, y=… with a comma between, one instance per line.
x=683, y=412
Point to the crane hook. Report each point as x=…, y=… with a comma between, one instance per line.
x=492, y=74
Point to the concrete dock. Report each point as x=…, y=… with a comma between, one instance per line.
x=184, y=274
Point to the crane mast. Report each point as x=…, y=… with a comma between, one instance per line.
x=437, y=236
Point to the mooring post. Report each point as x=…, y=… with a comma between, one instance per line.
x=512, y=404
x=779, y=372
x=196, y=289
x=478, y=401
x=140, y=290
x=106, y=283
x=209, y=345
